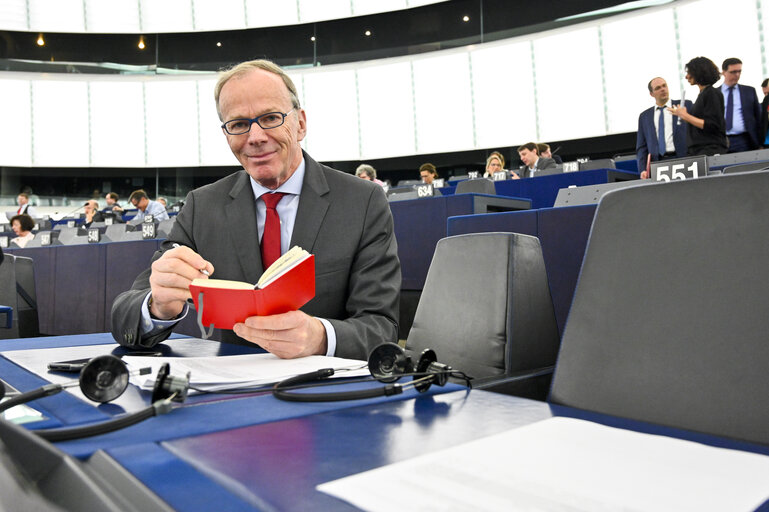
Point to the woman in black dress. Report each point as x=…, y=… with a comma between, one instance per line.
x=706, y=128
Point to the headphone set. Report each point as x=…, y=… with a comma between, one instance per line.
x=387, y=363
x=103, y=379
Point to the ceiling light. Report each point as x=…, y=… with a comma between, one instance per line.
x=312, y=38
x=141, y=44
x=219, y=44
x=368, y=32
x=465, y=18
x=40, y=40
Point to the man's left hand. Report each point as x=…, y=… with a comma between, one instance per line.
x=287, y=335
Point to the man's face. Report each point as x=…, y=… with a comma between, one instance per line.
x=529, y=158
x=732, y=74
x=269, y=156
x=89, y=207
x=21, y=200
x=427, y=177
x=141, y=204
x=494, y=166
x=660, y=91
x=109, y=200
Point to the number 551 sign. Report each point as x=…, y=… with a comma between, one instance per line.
x=680, y=169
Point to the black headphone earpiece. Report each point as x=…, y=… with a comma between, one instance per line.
x=387, y=363
x=103, y=379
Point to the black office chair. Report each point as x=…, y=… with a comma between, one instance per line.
x=486, y=310
x=746, y=167
x=478, y=186
x=669, y=320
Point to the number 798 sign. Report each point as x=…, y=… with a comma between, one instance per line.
x=681, y=169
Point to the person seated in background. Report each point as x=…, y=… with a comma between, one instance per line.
x=112, y=204
x=24, y=205
x=544, y=152
x=428, y=173
x=496, y=163
x=22, y=224
x=92, y=213
x=367, y=172
x=163, y=202
x=139, y=199
x=532, y=162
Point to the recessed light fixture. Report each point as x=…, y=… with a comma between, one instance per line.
x=141, y=44
x=465, y=18
x=368, y=32
x=312, y=38
x=219, y=44
x=40, y=40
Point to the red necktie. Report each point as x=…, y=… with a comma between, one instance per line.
x=271, y=235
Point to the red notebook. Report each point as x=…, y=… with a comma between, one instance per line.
x=226, y=303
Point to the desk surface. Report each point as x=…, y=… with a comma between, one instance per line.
x=257, y=453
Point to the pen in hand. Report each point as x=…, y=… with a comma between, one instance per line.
x=202, y=270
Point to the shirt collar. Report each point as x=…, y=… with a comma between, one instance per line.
x=293, y=185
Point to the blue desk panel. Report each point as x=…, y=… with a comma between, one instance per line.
x=420, y=223
x=276, y=466
x=563, y=233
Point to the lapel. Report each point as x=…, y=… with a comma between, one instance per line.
x=313, y=205
x=241, y=216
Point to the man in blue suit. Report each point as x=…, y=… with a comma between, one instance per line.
x=650, y=133
x=741, y=109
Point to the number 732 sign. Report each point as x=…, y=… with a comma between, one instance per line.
x=680, y=169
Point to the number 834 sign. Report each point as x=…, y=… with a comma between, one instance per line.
x=680, y=169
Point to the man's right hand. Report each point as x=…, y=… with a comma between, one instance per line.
x=170, y=279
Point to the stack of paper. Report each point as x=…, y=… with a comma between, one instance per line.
x=218, y=373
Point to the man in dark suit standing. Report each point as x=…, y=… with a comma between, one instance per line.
x=648, y=140
x=344, y=221
x=741, y=109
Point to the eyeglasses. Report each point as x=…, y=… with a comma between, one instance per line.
x=266, y=121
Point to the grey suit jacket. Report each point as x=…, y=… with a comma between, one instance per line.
x=542, y=164
x=343, y=220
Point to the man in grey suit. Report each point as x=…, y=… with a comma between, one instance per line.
x=344, y=221
x=532, y=162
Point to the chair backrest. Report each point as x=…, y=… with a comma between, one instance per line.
x=750, y=166
x=601, y=163
x=164, y=227
x=17, y=290
x=486, y=308
x=8, y=293
x=480, y=186
x=669, y=319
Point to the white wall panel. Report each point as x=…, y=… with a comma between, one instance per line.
x=332, y=115
x=503, y=93
x=214, y=149
x=364, y=7
x=60, y=123
x=313, y=10
x=13, y=15
x=15, y=123
x=219, y=14
x=166, y=16
x=443, y=105
x=56, y=15
x=386, y=110
x=719, y=30
x=631, y=59
x=117, y=124
x=112, y=16
x=569, y=88
x=172, y=123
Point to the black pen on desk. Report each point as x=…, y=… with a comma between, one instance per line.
x=202, y=270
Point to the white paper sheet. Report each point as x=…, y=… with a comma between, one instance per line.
x=564, y=464
x=217, y=373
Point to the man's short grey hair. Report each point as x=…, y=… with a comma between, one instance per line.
x=370, y=171
x=245, y=67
